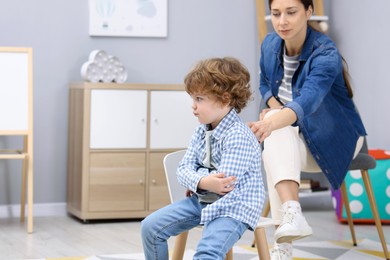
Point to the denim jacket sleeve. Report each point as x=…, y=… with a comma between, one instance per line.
x=265, y=89
x=318, y=74
x=320, y=63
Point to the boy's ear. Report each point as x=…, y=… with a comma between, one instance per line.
x=226, y=98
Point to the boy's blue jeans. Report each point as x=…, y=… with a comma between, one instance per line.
x=219, y=235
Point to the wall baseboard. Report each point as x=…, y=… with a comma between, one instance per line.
x=39, y=210
x=59, y=209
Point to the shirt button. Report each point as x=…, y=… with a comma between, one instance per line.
x=277, y=81
x=318, y=157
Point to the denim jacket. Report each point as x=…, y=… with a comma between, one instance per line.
x=326, y=115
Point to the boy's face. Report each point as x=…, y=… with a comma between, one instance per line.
x=208, y=110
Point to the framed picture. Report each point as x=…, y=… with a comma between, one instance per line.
x=128, y=18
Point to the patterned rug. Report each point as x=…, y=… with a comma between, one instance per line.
x=334, y=250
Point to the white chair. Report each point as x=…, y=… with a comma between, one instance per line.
x=171, y=162
x=178, y=192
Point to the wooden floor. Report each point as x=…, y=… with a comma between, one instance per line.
x=65, y=236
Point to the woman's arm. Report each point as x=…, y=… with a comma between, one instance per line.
x=274, y=103
x=264, y=127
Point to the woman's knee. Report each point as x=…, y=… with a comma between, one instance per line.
x=271, y=112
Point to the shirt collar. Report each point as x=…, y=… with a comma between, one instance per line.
x=225, y=123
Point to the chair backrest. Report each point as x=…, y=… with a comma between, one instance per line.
x=171, y=162
x=364, y=148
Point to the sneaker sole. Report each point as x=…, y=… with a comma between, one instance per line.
x=280, y=238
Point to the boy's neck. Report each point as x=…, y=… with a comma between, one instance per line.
x=213, y=126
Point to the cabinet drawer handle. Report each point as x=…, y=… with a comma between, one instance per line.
x=154, y=181
x=141, y=182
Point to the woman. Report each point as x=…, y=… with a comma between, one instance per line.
x=311, y=123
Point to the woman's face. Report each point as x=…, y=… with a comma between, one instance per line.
x=289, y=19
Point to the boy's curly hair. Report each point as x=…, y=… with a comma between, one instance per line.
x=218, y=76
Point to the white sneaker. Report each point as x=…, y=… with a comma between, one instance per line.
x=281, y=252
x=293, y=226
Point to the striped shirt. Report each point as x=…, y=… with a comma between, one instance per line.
x=235, y=152
x=291, y=64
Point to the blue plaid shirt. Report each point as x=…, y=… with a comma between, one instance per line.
x=235, y=152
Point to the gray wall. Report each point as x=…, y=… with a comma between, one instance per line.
x=360, y=29
x=58, y=33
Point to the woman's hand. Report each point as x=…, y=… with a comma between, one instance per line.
x=278, y=119
x=263, y=112
x=262, y=128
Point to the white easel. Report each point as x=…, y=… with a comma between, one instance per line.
x=16, y=116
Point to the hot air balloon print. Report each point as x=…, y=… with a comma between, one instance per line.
x=105, y=9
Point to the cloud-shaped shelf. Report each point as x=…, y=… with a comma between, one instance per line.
x=102, y=67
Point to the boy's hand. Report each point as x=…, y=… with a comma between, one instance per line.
x=188, y=193
x=217, y=183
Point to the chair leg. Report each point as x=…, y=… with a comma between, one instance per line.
x=24, y=181
x=229, y=255
x=348, y=211
x=23, y=191
x=264, y=214
x=262, y=244
x=180, y=245
x=374, y=209
x=30, y=192
x=266, y=209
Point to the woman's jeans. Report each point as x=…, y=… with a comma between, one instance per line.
x=219, y=235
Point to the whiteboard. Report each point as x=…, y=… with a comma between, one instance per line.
x=15, y=90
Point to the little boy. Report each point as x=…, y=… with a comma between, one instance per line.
x=221, y=168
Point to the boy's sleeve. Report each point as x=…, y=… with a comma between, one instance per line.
x=238, y=154
x=190, y=171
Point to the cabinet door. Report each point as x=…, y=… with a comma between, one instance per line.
x=118, y=118
x=172, y=121
x=117, y=182
x=158, y=187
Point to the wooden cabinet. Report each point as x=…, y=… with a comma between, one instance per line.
x=118, y=137
x=157, y=181
x=116, y=182
x=165, y=115
x=118, y=118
